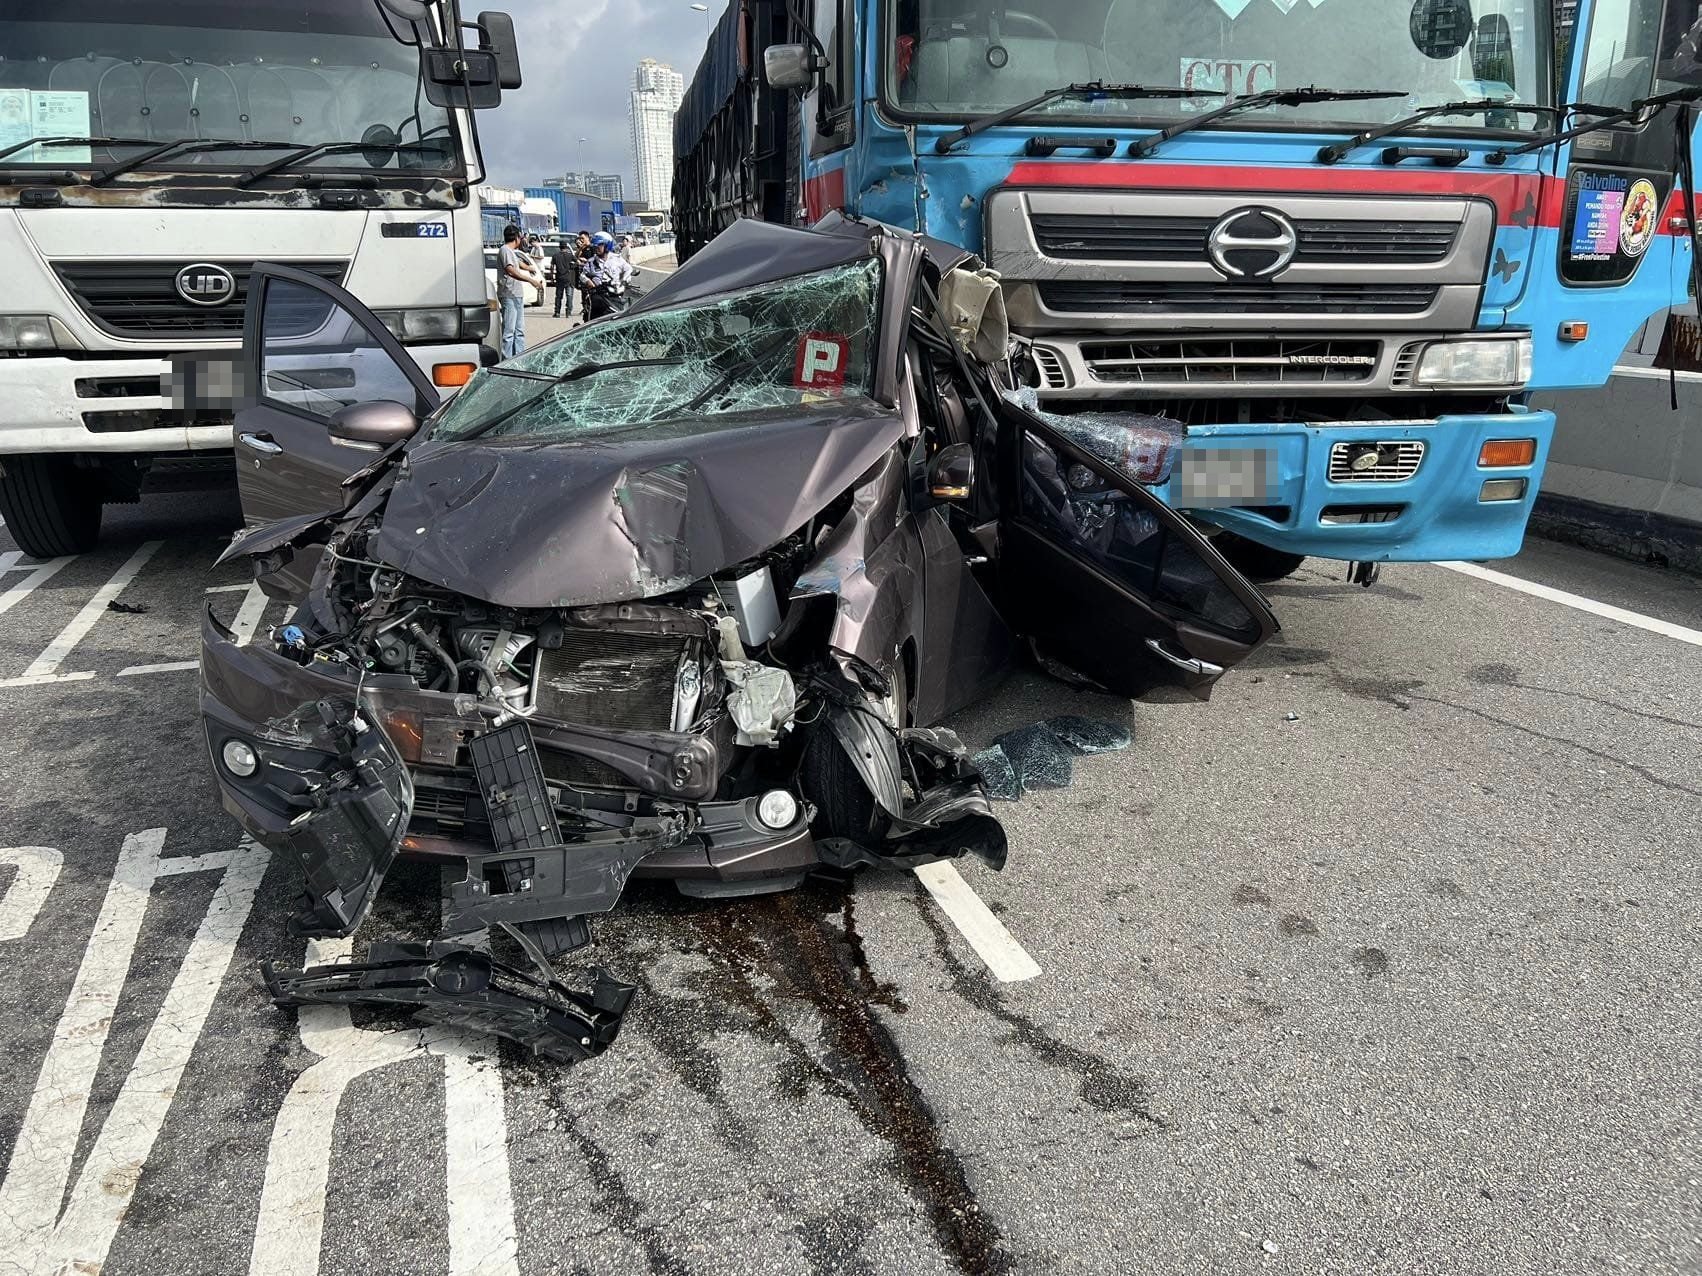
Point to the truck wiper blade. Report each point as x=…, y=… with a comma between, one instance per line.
x=1606, y=118
x=1340, y=150
x=328, y=148
x=78, y=141
x=578, y=372
x=184, y=146
x=1090, y=89
x=1253, y=102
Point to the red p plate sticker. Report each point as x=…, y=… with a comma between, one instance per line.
x=822, y=357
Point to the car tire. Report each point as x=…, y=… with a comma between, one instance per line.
x=829, y=781
x=51, y=509
x=1258, y=563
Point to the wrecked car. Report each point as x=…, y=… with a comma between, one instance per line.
x=678, y=594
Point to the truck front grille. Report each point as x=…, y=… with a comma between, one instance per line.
x=1261, y=360
x=1092, y=237
x=600, y=678
x=1161, y=297
x=140, y=298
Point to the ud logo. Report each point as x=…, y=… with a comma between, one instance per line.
x=204, y=284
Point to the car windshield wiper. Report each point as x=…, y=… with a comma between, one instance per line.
x=331, y=148
x=576, y=373
x=1340, y=150
x=726, y=378
x=1091, y=89
x=1253, y=102
x=1607, y=117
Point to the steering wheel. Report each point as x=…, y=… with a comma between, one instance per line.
x=1045, y=28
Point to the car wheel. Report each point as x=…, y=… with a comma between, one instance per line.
x=49, y=506
x=1258, y=563
x=830, y=782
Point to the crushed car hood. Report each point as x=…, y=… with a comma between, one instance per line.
x=519, y=523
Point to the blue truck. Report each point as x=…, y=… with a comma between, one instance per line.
x=1339, y=241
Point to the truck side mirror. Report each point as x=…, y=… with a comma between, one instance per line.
x=461, y=78
x=790, y=66
x=373, y=425
x=1682, y=62
x=951, y=472
x=406, y=10
x=496, y=32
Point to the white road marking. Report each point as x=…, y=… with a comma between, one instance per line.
x=171, y=666
x=39, y=573
x=291, y=1225
x=1007, y=959
x=172, y=865
x=34, y=1185
x=45, y=680
x=483, y=1239
x=1633, y=618
x=226, y=589
x=9, y=561
x=49, y=661
x=38, y=868
x=248, y=615
x=107, y=1182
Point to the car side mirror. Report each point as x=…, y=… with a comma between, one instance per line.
x=790, y=66
x=373, y=425
x=496, y=36
x=951, y=473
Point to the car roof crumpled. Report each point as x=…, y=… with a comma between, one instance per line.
x=751, y=253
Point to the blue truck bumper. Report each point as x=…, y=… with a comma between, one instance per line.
x=1436, y=514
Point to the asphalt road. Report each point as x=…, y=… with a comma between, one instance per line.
x=1407, y=982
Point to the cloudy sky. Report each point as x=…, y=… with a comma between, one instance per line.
x=577, y=57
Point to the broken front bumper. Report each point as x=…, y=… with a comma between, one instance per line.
x=302, y=798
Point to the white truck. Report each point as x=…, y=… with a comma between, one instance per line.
x=151, y=151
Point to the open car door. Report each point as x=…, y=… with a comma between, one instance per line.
x=310, y=354
x=1105, y=577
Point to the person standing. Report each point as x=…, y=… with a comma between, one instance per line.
x=514, y=272
x=585, y=252
x=566, y=257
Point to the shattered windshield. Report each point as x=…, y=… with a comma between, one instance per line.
x=802, y=341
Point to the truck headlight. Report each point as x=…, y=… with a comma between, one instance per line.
x=27, y=332
x=422, y=325
x=1501, y=362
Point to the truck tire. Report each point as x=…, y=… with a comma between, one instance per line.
x=49, y=506
x=1258, y=563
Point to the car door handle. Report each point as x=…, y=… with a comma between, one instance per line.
x=260, y=443
x=1188, y=664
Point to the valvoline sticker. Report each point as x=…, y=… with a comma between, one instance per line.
x=821, y=362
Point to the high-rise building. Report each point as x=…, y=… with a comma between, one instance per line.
x=597, y=185
x=656, y=91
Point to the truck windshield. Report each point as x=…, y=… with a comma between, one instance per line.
x=292, y=72
x=956, y=58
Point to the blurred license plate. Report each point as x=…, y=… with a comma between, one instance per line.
x=1226, y=476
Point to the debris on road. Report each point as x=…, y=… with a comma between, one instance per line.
x=1041, y=756
x=454, y=985
x=127, y=609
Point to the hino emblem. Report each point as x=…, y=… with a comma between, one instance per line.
x=204, y=284
x=1252, y=243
